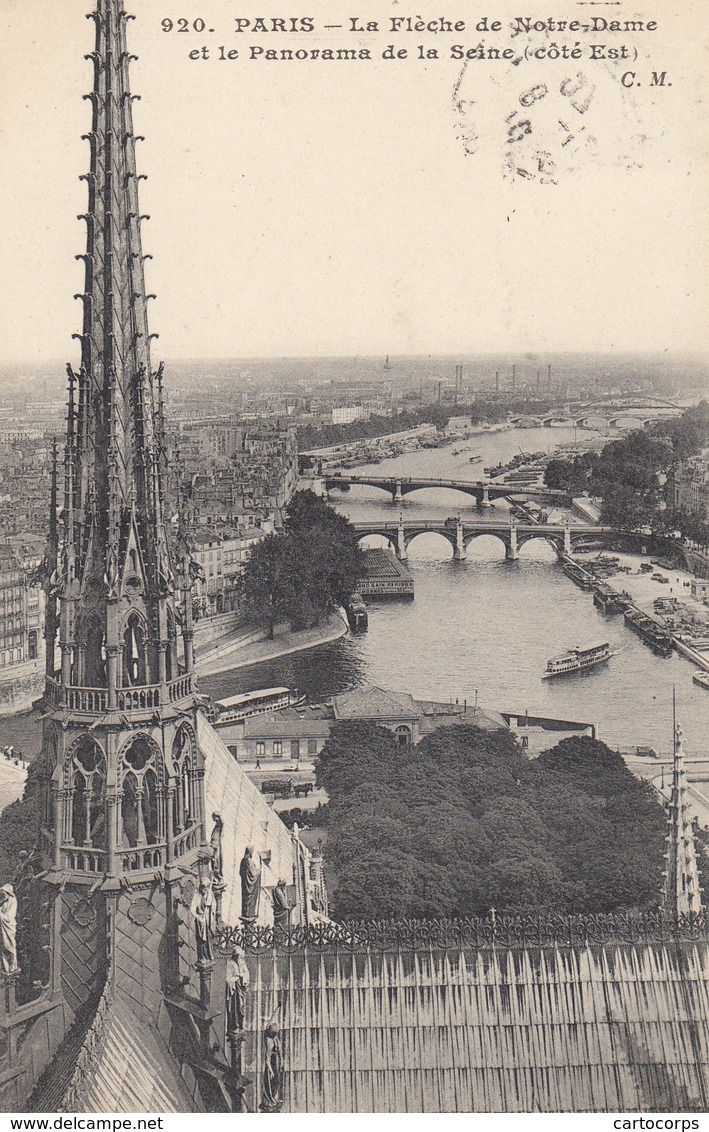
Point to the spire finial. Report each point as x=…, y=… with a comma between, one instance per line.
x=681, y=893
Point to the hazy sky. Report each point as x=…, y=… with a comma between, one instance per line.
x=331, y=208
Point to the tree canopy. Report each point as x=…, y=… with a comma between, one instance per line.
x=307, y=571
x=464, y=822
x=18, y=822
x=628, y=475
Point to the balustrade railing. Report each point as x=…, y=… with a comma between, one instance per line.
x=505, y=932
x=86, y=699
x=95, y=700
x=87, y=860
x=147, y=857
x=181, y=687
x=139, y=699
x=186, y=842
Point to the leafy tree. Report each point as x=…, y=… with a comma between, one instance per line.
x=269, y=584
x=307, y=572
x=18, y=822
x=464, y=821
x=558, y=473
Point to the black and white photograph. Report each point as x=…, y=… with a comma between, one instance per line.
x=354, y=561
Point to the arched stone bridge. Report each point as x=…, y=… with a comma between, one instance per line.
x=482, y=491
x=460, y=533
x=634, y=416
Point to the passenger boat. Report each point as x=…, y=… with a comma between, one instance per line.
x=235, y=708
x=577, y=659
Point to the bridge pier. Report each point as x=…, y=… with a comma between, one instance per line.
x=459, y=551
x=485, y=501
x=511, y=551
x=397, y=497
x=567, y=539
x=401, y=552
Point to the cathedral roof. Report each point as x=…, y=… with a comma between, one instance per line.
x=613, y=1028
x=248, y=820
x=135, y=1071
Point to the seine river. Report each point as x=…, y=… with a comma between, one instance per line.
x=484, y=626
x=487, y=626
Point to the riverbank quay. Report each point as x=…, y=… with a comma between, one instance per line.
x=586, y=509
x=374, y=450
x=241, y=652
x=645, y=589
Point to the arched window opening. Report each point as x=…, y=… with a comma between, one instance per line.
x=151, y=816
x=187, y=793
x=95, y=654
x=78, y=814
x=87, y=824
x=171, y=653
x=184, y=805
x=403, y=735
x=134, y=667
x=141, y=818
x=97, y=813
x=129, y=810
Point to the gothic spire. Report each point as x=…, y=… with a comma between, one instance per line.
x=116, y=583
x=114, y=426
x=681, y=893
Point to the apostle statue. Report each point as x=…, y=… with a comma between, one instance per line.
x=272, y=1081
x=250, y=873
x=237, y=981
x=281, y=907
x=8, y=929
x=202, y=907
x=215, y=842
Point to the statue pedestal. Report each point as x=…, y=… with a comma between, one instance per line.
x=205, y=968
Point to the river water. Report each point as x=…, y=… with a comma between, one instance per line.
x=488, y=626
x=483, y=626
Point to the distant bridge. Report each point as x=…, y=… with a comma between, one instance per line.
x=635, y=416
x=460, y=533
x=481, y=490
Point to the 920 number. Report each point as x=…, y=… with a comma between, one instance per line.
x=183, y=25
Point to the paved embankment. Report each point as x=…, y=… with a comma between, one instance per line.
x=232, y=652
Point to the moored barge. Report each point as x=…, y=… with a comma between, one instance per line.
x=653, y=634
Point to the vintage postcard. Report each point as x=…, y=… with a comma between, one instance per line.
x=354, y=559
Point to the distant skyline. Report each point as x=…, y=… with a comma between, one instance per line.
x=675, y=376
x=292, y=217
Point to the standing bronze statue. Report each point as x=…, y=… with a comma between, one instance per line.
x=272, y=1081
x=215, y=842
x=250, y=873
x=281, y=907
x=237, y=981
x=202, y=911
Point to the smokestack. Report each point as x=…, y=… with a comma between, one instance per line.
x=497, y=381
x=539, y=381
x=549, y=379
x=440, y=386
x=514, y=378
